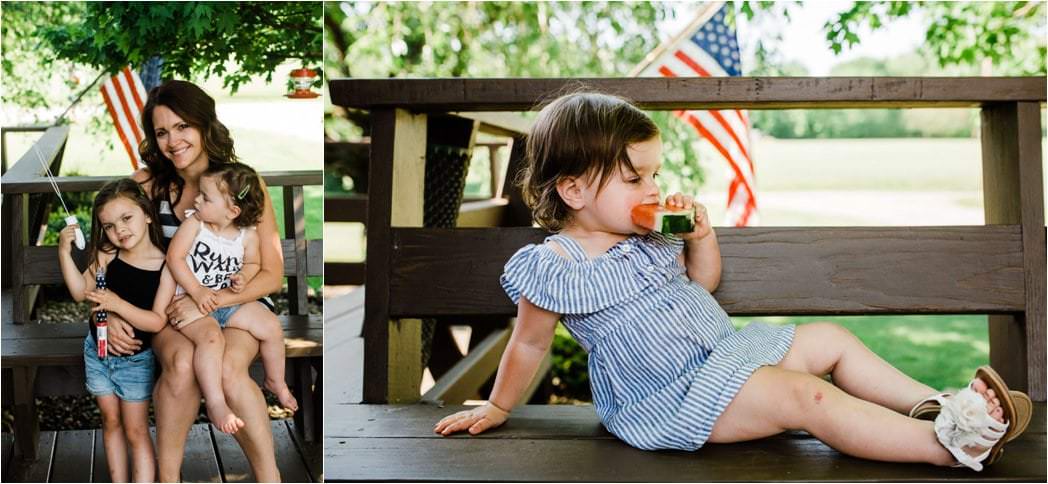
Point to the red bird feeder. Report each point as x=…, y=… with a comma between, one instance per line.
x=303, y=79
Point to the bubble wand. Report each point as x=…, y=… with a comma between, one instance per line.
x=70, y=219
x=101, y=317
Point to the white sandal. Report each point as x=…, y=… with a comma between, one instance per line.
x=963, y=422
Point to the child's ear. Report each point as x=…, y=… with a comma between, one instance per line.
x=236, y=211
x=570, y=190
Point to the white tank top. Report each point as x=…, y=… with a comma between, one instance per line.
x=213, y=258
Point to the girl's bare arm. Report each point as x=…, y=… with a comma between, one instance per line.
x=531, y=339
x=527, y=346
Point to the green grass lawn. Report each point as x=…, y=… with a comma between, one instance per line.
x=939, y=351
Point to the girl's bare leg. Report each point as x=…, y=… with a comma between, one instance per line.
x=113, y=437
x=207, y=362
x=176, y=397
x=265, y=327
x=244, y=396
x=136, y=429
x=828, y=349
x=774, y=400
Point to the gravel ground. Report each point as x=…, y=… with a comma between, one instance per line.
x=81, y=412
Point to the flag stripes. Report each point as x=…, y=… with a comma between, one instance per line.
x=124, y=96
x=710, y=50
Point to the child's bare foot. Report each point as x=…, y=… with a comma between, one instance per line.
x=283, y=393
x=224, y=419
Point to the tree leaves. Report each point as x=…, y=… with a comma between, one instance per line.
x=195, y=39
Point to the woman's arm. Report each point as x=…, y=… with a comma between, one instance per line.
x=270, y=277
x=527, y=346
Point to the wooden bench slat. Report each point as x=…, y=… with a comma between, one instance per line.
x=563, y=443
x=662, y=93
x=33, y=182
x=100, y=470
x=769, y=271
x=36, y=344
x=40, y=267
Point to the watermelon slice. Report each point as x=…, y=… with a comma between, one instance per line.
x=653, y=216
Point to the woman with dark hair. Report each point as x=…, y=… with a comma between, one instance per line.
x=183, y=138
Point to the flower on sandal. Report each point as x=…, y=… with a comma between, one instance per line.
x=964, y=419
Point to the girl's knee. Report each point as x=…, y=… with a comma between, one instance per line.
x=137, y=433
x=111, y=422
x=805, y=396
x=829, y=331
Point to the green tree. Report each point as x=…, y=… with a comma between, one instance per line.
x=1008, y=36
x=503, y=39
x=194, y=39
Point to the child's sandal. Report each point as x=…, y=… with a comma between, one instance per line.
x=963, y=421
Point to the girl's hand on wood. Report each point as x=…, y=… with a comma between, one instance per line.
x=66, y=238
x=476, y=420
x=121, y=336
x=702, y=220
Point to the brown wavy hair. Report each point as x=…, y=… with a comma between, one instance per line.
x=581, y=134
x=197, y=109
x=131, y=190
x=243, y=187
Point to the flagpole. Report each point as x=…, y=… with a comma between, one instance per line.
x=703, y=15
x=63, y=115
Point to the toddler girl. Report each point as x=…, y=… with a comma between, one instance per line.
x=667, y=369
x=217, y=247
x=125, y=247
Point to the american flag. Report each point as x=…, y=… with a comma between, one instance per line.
x=125, y=95
x=709, y=49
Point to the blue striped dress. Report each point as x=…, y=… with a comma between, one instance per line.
x=664, y=359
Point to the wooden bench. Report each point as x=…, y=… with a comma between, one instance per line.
x=996, y=269
x=42, y=358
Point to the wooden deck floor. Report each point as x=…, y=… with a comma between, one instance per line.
x=344, y=349
x=211, y=456
x=567, y=443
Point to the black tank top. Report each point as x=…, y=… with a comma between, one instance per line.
x=136, y=286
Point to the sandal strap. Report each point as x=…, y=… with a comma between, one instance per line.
x=938, y=398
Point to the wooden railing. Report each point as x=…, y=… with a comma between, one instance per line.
x=997, y=269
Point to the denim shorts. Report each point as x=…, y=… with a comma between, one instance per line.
x=131, y=378
x=222, y=315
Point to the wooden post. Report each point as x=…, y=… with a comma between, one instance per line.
x=17, y=234
x=1013, y=193
x=392, y=363
x=27, y=426
x=517, y=214
x=295, y=229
